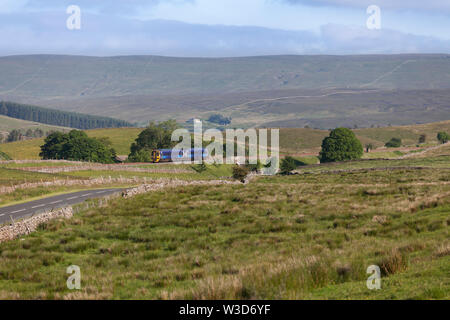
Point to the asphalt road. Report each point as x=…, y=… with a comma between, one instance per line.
x=27, y=209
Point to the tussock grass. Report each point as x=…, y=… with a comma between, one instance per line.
x=284, y=237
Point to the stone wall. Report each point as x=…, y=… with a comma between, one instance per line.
x=26, y=226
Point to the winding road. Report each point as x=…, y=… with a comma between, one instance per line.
x=23, y=210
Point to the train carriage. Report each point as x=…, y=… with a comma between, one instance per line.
x=165, y=155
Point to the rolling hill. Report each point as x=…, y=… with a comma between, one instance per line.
x=70, y=76
x=286, y=91
x=7, y=124
x=294, y=141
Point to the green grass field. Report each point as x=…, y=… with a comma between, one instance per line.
x=13, y=177
x=307, y=236
x=121, y=138
x=7, y=124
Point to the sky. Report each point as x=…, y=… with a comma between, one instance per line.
x=222, y=28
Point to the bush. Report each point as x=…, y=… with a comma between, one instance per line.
x=288, y=164
x=240, y=172
x=255, y=167
x=394, y=262
x=199, y=168
x=369, y=147
x=341, y=145
x=443, y=137
x=422, y=138
x=394, y=143
x=219, y=119
x=143, y=155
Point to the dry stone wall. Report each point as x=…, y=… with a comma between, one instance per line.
x=26, y=226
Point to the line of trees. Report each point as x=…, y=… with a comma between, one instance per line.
x=59, y=118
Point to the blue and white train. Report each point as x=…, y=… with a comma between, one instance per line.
x=165, y=155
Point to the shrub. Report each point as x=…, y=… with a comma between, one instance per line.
x=288, y=164
x=422, y=138
x=219, y=119
x=255, y=167
x=341, y=145
x=143, y=155
x=199, y=168
x=394, y=262
x=394, y=143
x=240, y=172
x=369, y=147
x=443, y=137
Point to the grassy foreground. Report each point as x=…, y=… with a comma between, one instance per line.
x=291, y=237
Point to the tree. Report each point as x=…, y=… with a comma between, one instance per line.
x=53, y=147
x=341, y=145
x=76, y=146
x=3, y=108
x=14, y=135
x=29, y=133
x=443, y=137
x=369, y=147
x=142, y=155
x=288, y=165
x=38, y=133
x=394, y=143
x=422, y=138
x=155, y=136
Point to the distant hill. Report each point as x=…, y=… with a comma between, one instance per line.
x=71, y=76
x=288, y=91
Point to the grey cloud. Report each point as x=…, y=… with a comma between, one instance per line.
x=435, y=5
x=359, y=40
x=105, y=35
x=103, y=6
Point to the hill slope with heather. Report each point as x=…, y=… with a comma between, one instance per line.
x=286, y=91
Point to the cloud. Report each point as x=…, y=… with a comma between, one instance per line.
x=124, y=7
x=8, y=6
x=106, y=36
x=434, y=5
x=359, y=40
